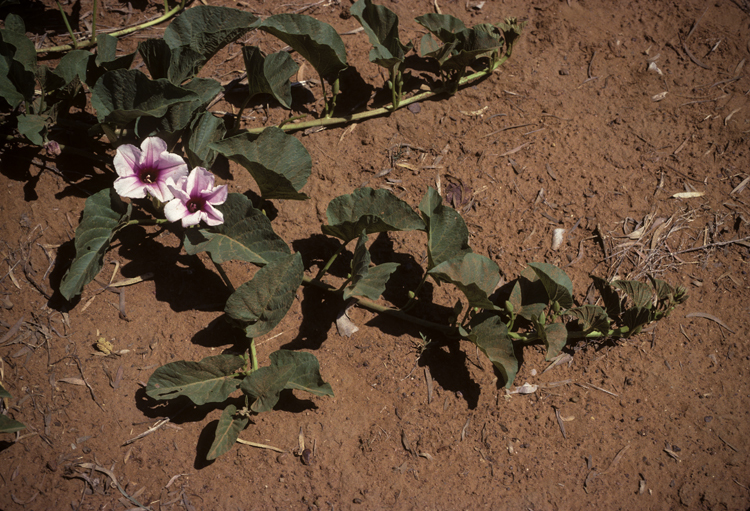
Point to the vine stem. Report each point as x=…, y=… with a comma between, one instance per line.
x=360, y=116
x=253, y=355
x=126, y=31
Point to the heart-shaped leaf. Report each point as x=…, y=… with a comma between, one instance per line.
x=591, y=317
x=475, y=275
x=490, y=334
x=245, y=235
x=635, y=319
x=197, y=34
x=180, y=114
x=556, y=282
x=444, y=26
x=102, y=213
x=447, y=234
x=270, y=74
x=554, y=336
x=73, y=65
x=288, y=370
x=640, y=294
x=262, y=303
x=317, y=42
x=227, y=431
x=528, y=296
x=366, y=281
x=122, y=96
x=205, y=129
x=33, y=127
x=211, y=380
x=612, y=301
x=370, y=211
x=381, y=26
x=278, y=162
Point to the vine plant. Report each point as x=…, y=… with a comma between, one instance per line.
x=167, y=111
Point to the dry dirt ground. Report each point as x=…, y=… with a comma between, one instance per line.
x=574, y=131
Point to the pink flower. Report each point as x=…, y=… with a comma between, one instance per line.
x=147, y=170
x=194, y=199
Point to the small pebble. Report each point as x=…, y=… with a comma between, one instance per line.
x=414, y=108
x=708, y=418
x=307, y=457
x=533, y=372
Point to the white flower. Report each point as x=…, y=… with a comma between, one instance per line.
x=147, y=170
x=194, y=199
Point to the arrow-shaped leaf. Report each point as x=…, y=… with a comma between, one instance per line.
x=490, y=334
x=556, y=282
x=288, y=370
x=102, y=214
x=370, y=211
x=381, y=26
x=263, y=302
x=475, y=275
x=211, y=380
x=447, y=234
x=227, y=431
x=245, y=235
x=366, y=281
x=317, y=42
x=278, y=162
x=270, y=74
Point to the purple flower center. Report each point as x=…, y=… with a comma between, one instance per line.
x=195, y=204
x=148, y=175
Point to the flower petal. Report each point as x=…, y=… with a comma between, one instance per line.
x=130, y=186
x=192, y=219
x=126, y=160
x=161, y=191
x=216, y=196
x=152, y=148
x=212, y=216
x=175, y=210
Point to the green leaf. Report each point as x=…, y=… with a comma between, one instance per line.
x=102, y=214
x=17, y=62
x=528, y=296
x=179, y=115
x=33, y=127
x=205, y=129
x=106, y=54
x=245, y=235
x=278, y=162
x=366, y=281
x=317, y=42
x=475, y=275
x=211, y=380
x=288, y=370
x=511, y=29
x=556, y=282
x=444, y=26
x=639, y=292
x=554, y=336
x=4, y=393
x=612, y=301
x=591, y=317
x=370, y=211
x=479, y=41
x=8, y=425
x=270, y=74
x=227, y=431
x=73, y=65
x=490, y=334
x=122, y=96
x=263, y=302
x=199, y=33
x=381, y=27
x=635, y=319
x=447, y=234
